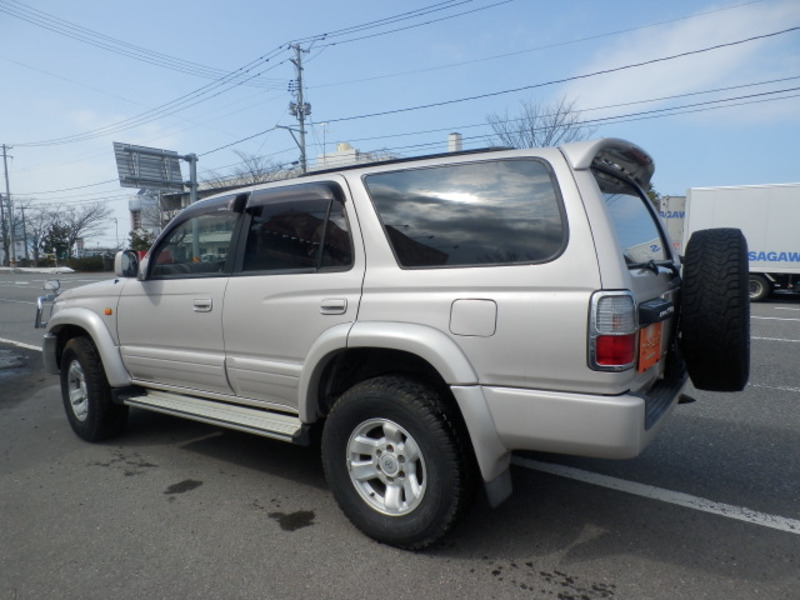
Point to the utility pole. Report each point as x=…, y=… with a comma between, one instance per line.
x=4, y=231
x=300, y=109
x=10, y=213
x=24, y=232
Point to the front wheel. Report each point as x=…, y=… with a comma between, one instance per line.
x=90, y=410
x=396, y=460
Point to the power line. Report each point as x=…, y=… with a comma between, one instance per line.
x=414, y=26
x=633, y=116
x=616, y=119
x=565, y=79
x=340, y=82
x=437, y=7
x=99, y=40
x=202, y=94
x=240, y=76
x=251, y=65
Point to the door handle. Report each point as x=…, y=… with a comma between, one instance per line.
x=202, y=305
x=333, y=306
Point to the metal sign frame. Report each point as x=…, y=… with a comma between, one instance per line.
x=148, y=168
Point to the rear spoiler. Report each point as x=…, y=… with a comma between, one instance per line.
x=620, y=155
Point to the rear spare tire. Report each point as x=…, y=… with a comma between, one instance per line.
x=715, y=315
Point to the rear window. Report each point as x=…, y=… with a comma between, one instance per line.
x=634, y=222
x=494, y=212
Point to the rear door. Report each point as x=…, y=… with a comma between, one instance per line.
x=298, y=276
x=654, y=278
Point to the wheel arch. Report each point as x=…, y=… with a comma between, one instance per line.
x=349, y=353
x=346, y=356
x=75, y=322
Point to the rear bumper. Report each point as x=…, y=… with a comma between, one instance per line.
x=583, y=425
x=501, y=420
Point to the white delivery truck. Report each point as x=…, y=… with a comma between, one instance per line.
x=769, y=217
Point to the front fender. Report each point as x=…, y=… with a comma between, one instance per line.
x=97, y=330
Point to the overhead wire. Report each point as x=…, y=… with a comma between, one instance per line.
x=564, y=79
x=66, y=28
x=639, y=115
x=415, y=25
x=176, y=104
x=631, y=117
x=506, y=55
x=235, y=78
x=211, y=90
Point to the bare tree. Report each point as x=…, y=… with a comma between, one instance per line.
x=84, y=221
x=540, y=125
x=251, y=169
x=38, y=219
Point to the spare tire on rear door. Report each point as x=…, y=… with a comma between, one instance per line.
x=715, y=314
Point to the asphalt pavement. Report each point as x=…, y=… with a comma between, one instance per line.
x=175, y=509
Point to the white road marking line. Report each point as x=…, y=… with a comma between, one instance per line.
x=729, y=511
x=780, y=388
x=772, y=318
x=769, y=339
x=20, y=344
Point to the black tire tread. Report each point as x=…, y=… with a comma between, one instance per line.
x=105, y=419
x=715, y=316
x=451, y=442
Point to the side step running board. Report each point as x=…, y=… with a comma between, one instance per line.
x=242, y=418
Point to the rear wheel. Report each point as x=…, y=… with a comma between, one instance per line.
x=396, y=461
x=715, y=315
x=86, y=393
x=758, y=288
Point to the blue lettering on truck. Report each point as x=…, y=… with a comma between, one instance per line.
x=672, y=214
x=755, y=256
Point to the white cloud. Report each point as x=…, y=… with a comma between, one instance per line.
x=760, y=60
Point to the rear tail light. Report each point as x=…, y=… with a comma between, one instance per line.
x=612, y=331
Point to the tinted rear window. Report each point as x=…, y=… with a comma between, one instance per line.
x=633, y=218
x=494, y=212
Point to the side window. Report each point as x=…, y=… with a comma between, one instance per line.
x=635, y=224
x=196, y=248
x=298, y=235
x=493, y=212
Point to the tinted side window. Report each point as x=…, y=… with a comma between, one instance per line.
x=494, y=212
x=298, y=235
x=635, y=224
x=197, y=248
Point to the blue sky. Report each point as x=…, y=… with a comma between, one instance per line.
x=710, y=89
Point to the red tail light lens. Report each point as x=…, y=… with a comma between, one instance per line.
x=612, y=331
x=615, y=350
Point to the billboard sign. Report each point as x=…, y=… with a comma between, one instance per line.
x=148, y=168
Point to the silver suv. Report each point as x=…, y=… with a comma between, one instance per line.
x=427, y=317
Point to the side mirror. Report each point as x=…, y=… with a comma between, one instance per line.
x=52, y=285
x=126, y=264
